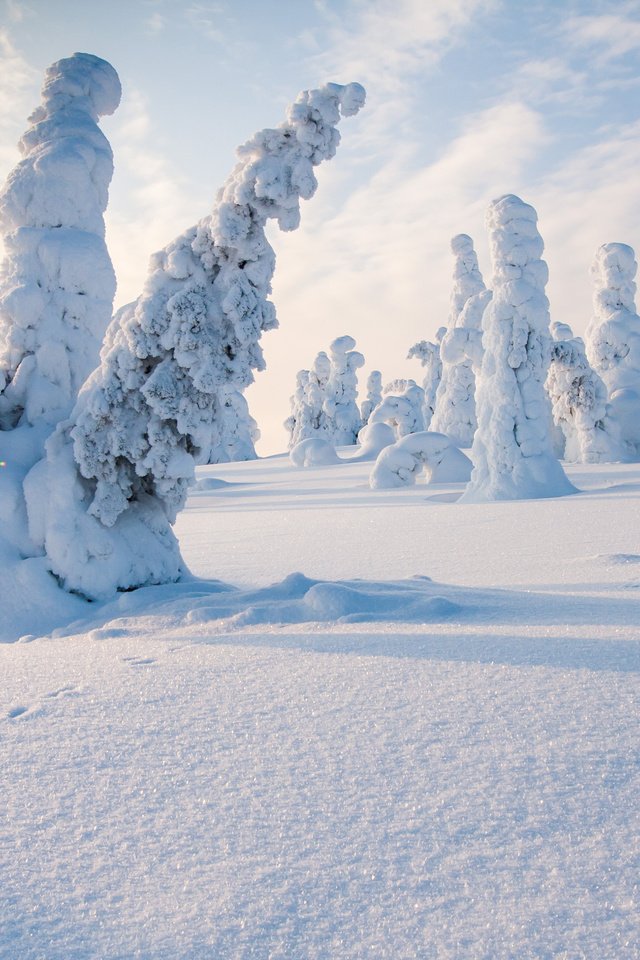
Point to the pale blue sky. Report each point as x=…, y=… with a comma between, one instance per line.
x=467, y=99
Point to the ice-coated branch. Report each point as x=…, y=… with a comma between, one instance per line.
x=512, y=450
x=57, y=283
x=193, y=334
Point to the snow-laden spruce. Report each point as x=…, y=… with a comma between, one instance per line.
x=579, y=403
x=401, y=407
x=307, y=417
x=461, y=347
x=613, y=336
x=400, y=464
x=117, y=474
x=342, y=417
x=428, y=353
x=512, y=449
x=374, y=396
x=234, y=432
x=57, y=283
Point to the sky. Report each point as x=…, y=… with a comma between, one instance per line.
x=466, y=100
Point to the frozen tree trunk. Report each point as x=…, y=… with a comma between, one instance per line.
x=512, y=450
x=429, y=355
x=342, y=417
x=579, y=403
x=374, y=396
x=57, y=283
x=117, y=473
x=613, y=337
x=455, y=409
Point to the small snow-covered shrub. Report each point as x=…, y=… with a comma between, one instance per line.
x=400, y=464
x=146, y=414
x=373, y=438
x=512, y=449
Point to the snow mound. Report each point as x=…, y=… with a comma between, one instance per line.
x=313, y=452
x=400, y=464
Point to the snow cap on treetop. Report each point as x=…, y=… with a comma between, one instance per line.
x=81, y=77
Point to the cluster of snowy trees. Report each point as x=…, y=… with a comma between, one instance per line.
x=100, y=461
x=500, y=378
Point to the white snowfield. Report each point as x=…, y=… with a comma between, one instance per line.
x=322, y=753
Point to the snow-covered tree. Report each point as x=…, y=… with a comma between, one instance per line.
x=613, y=336
x=401, y=407
x=57, y=283
x=117, y=474
x=512, y=449
x=374, y=396
x=428, y=353
x=298, y=406
x=579, y=402
x=307, y=417
x=236, y=432
x=455, y=409
x=342, y=417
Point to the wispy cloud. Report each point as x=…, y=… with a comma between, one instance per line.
x=150, y=202
x=208, y=18
x=610, y=36
x=19, y=84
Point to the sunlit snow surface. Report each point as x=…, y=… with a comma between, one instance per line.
x=357, y=761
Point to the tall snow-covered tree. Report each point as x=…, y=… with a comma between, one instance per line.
x=512, y=449
x=428, y=353
x=235, y=431
x=307, y=418
x=374, y=396
x=117, y=474
x=57, y=283
x=579, y=402
x=342, y=417
x=455, y=409
x=613, y=336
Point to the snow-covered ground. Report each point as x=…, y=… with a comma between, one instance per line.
x=318, y=752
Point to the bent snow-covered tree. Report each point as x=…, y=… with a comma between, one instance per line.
x=579, y=403
x=461, y=347
x=512, y=450
x=117, y=474
x=57, y=283
x=613, y=337
x=401, y=407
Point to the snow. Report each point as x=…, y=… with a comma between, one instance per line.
x=400, y=464
x=116, y=473
x=512, y=452
x=320, y=752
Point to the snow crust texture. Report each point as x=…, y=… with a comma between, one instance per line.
x=156, y=402
x=512, y=451
x=57, y=283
